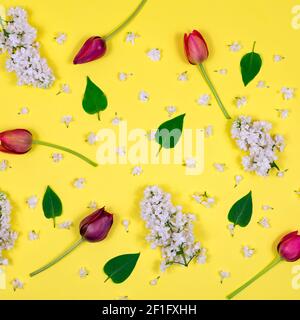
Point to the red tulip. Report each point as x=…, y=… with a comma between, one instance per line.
x=16, y=141
x=289, y=247
x=195, y=47
x=94, y=48
x=96, y=226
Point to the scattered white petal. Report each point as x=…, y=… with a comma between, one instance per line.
x=208, y=131
x=144, y=96
x=280, y=174
x=183, y=76
x=235, y=46
x=23, y=111
x=297, y=192
x=171, y=110
x=264, y=222
x=220, y=167
x=126, y=223
x=287, y=93
x=202, y=258
x=238, y=179
x=92, y=138
x=61, y=38
x=4, y=165
x=93, y=205
x=277, y=58
x=154, y=54
x=137, y=171
x=154, y=282
x=283, y=113
x=123, y=76
x=65, y=225
x=17, y=284
x=223, y=72
x=190, y=163
x=130, y=37
x=83, y=272
x=116, y=120
x=204, y=100
x=231, y=227
x=64, y=88
x=224, y=275
x=266, y=207
x=240, y=101
x=204, y=199
x=32, y=202
x=79, y=183
x=247, y=252
x=67, y=120
x=151, y=135
x=32, y=235
x=261, y=84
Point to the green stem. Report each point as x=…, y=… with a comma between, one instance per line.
x=213, y=90
x=54, y=261
x=123, y=24
x=253, y=47
x=258, y=275
x=75, y=153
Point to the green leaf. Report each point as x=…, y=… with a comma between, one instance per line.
x=241, y=212
x=120, y=268
x=250, y=66
x=52, y=205
x=94, y=99
x=169, y=132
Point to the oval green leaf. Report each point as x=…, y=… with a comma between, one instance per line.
x=94, y=99
x=119, y=268
x=250, y=66
x=169, y=132
x=52, y=205
x=241, y=212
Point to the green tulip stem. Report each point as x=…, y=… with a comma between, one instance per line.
x=258, y=275
x=124, y=23
x=75, y=153
x=54, y=261
x=213, y=90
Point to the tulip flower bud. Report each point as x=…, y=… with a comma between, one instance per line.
x=289, y=247
x=16, y=141
x=195, y=47
x=94, y=48
x=96, y=226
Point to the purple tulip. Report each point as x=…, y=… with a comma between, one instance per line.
x=96, y=226
x=93, y=49
x=289, y=247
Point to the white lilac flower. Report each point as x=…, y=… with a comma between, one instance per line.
x=151, y=135
x=154, y=54
x=220, y=167
x=137, y=171
x=65, y=225
x=283, y=113
x=224, y=275
x=280, y=174
x=277, y=58
x=125, y=224
x=92, y=138
x=171, y=110
x=93, y=205
x=79, y=183
x=204, y=199
x=170, y=228
x=61, y=38
x=32, y=202
x=67, y=120
x=238, y=178
x=231, y=227
x=208, y=131
x=261, y=84
x=235, y=46
x=124, y=76
x=264, y=222
x=121, y=151
x=204, y=100
x=183, y=76
x=154, y=281
x=247, y=252
x=23, y=110
x=17, y=284
x=144, y=96
x=266, y=207
x=287, y=93
x=32, y=235
x=4, y=165
x=130, y=37
x=7, y=236
x=64, y=88
x=240, y=101
x=116, y=120
x=83, y=272
x=222, y=71
x=57, y=157
x=202, y=258
x=190, y=163
x=255, y=138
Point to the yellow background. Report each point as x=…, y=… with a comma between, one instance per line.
x=161, y=25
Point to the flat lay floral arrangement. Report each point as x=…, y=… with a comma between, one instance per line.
x=114, y=225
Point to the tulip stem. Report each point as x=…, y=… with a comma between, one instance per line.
x=124, y=23
x=213, y=90
x=75, y=153
x=258, y=275
x=54, y=261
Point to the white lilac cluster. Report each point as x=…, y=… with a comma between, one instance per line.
x=255, y=137
x=170, y=229
x=18, y=39
x=7, y=236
